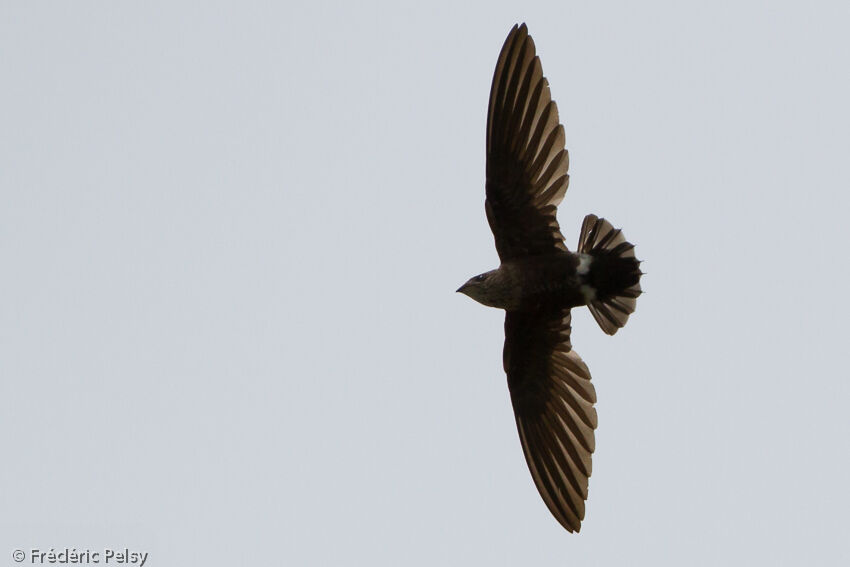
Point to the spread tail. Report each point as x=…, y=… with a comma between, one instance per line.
x=612, y=275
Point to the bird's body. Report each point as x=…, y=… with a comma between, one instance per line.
x=549, y=281
x=539, y=280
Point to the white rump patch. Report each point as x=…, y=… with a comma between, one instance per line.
x=584, y=261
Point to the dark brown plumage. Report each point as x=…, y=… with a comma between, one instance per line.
x=540, y=280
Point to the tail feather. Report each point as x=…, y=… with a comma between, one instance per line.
x=613, y=275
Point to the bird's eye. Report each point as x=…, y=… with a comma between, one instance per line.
x=479, y=278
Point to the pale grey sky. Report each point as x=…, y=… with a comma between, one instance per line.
x=230, y=235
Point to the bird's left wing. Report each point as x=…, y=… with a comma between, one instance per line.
x=553, y=404
x=526, y=160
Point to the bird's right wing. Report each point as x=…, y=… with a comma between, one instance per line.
x=526, y=160
x=553, y=404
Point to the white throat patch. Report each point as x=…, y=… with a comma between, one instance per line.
x=584, y=261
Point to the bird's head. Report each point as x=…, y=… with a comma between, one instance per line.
x=483, y=288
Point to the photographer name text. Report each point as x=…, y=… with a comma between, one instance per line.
x=73, y=556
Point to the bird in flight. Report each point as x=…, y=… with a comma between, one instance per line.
x=539, y=280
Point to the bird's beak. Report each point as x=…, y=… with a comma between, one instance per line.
x=461, y=288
